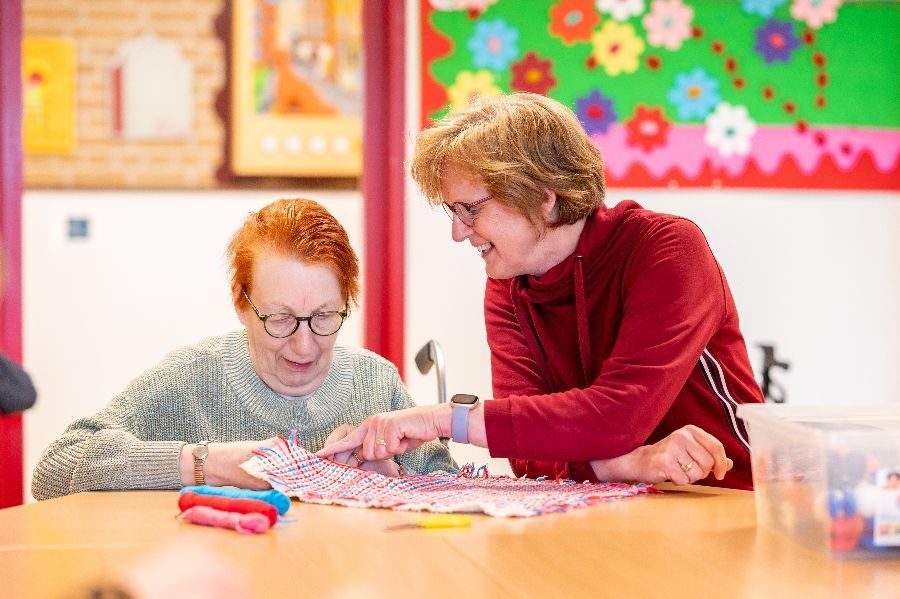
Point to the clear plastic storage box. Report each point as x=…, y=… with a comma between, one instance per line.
x=829, y=476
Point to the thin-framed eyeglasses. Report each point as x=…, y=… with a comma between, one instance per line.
x=281, y=325
x=463, y=211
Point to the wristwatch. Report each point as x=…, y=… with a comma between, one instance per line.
x=459, y=420
x=200, y=452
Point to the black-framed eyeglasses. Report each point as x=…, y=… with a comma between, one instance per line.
x=281, y=325
x=463, y=211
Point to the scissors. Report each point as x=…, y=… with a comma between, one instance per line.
x=436, y=521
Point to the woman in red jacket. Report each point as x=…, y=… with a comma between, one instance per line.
x=615, y=346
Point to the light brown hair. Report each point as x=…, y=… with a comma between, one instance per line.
x=519, y=145
x=300, y=229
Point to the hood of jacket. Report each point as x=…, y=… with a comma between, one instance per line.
x=564, y=285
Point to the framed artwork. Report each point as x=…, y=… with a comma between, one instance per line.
x=152, y=90
x=296, y=88
x=749, y=93
x=48, y=95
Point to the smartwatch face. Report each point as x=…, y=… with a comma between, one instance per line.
x=464, y=399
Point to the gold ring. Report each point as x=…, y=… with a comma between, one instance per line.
x=380, y=442
x=686, y=467
x=359, y=460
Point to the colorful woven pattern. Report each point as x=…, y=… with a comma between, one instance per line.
x=299, y=473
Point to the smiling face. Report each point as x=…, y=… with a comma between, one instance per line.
x=295, y=365
x=507, y=241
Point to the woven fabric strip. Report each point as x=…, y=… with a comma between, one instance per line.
x=300, y=473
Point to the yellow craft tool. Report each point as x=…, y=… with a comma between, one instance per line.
x=437, y=521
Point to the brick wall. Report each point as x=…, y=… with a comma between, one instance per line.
x=100, y=159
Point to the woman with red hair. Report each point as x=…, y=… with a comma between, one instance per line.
x=196, y=416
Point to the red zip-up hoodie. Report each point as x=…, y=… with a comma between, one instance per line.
x=625, y=341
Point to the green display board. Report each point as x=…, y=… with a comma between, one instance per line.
x=752, y=93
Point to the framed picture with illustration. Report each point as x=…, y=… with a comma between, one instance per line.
x=48, y=95
x=296, y=88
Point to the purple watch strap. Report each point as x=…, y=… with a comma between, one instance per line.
x=459, y=423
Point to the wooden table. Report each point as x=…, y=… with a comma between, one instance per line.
x=687, y=542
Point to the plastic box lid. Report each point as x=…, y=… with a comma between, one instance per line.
x=869, y=422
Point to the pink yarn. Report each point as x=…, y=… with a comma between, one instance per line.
x=243, y=523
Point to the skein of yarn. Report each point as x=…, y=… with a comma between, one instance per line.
x=273, y=496
x=227, y=504
x=252, y=523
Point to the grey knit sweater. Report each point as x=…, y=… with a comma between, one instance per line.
x=210, y=391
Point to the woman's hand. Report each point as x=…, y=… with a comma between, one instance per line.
x=223, y=464
x=685, y=456
x=352, y=457
x=385, y=435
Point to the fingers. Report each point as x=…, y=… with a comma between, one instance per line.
x=696, y=464
x=385, y=435
x=714, y=449
x=677, y=471
x=367, y=449
x=270, y=442
x=699, y=462
x=685, y=457
x=351, y=457
x=253, y=483
x=384, y=439
x=353, y=440
x=338, y=433
x=700, y=455
x=345, y=457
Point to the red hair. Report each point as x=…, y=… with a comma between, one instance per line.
x=300, y=229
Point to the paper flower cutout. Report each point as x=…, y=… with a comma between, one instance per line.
x=621, y=10
x=532, y=74
x=573, y=20
x=617, y=48
x=648, y=128
x=668, y=23
x=494, y=44
x=694, y=94
x=776, y=41
x=763, y=8
x=595, y=111
x=470, y=86
x=729, y=130
x=815, y=13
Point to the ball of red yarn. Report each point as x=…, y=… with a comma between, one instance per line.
x=228, y=504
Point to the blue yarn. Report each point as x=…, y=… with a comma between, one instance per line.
x=273, y=496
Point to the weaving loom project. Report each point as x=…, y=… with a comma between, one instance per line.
x=299, y=473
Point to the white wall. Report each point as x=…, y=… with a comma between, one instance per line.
x=151, y=277
x=817, y=273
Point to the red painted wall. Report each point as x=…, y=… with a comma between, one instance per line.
x=383, y=177
x=10, y=235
